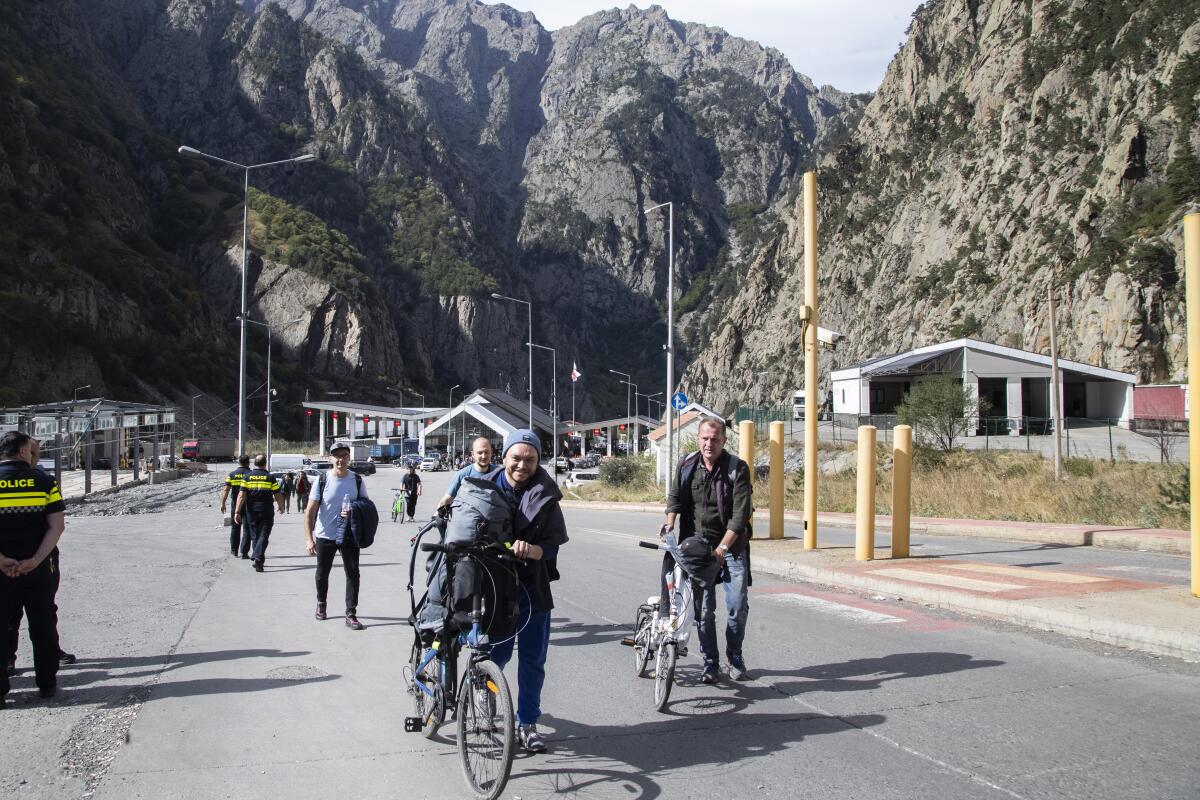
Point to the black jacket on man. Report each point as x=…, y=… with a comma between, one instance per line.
x=713, y=502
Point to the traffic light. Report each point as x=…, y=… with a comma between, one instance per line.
x=308, y=412
x=335, y=415
x=622, y=427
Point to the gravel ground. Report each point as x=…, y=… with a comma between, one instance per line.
x=197, y=492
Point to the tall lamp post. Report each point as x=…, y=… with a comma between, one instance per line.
x=194, y=413
x=418, y=394
x=270, y=393
x=553, y=402
x=628, y=388
x=449, y=424
x=529, y=309
x=192, y=152
x=670, y=346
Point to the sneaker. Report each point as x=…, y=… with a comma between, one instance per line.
x=352, y=623
x=320, y=611
x=258, y=566
x=737, y=668
x=246, y=556
x=711, y=673
x=531, y=740
x=65, y=658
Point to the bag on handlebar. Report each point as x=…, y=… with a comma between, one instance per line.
x=482, y=514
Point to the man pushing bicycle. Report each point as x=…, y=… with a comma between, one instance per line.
x=712, y=497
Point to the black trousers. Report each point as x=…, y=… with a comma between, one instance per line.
x=260, y=523
x=34, y=594
x=326, y=548
x=239, y=536
x=412, y=504
x=14, y=624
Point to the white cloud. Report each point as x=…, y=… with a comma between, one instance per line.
x=846, y=43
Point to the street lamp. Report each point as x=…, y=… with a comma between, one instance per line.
x=75, y=393
x=553, y=402
x=270, y=392
x=194, y=413
x=449, y=423
x=670, y=347
x=628, y=387
x=192, y=152
x=529, y=309
x=648, y=397
x=418, y=394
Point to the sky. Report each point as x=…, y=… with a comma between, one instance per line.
x=845, y=43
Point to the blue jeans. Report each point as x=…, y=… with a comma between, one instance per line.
x=737, y=609
x=532, y=644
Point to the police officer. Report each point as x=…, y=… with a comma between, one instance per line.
x=256, y=503
x=233, y=485
x=30, y=526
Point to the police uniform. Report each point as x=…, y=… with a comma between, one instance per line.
x=27, y=498
x=237, y=533
x=260, y=488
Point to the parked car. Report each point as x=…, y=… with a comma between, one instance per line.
x=577, y=478
x=411, y=460
x=363, y=467
x=430, y=464
x=320, y=465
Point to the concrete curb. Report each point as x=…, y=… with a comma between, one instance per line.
x=1141, y=539
x=1079, y=624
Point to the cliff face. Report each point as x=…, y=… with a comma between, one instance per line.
x=1009, y=142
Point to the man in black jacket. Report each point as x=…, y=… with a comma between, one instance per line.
x=257, y=501
x=711, y=496
x=539, y=530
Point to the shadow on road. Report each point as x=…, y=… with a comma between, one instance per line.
x=564, y=633
x=868, y=673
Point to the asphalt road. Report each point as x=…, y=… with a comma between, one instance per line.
x=199, y=678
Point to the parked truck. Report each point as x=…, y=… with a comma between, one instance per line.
x=210, y=449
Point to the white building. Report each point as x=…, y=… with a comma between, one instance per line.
x=1016, y=384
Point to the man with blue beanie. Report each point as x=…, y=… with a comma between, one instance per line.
x=539, y=530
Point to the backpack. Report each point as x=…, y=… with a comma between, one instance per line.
x=364, y=533
x=482, y=512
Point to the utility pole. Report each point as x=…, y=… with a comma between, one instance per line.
x=810, y=360
x=1055, y=408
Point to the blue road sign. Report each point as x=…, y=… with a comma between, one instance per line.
x=679, y=401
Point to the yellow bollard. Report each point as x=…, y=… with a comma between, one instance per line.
x=746, y=443
x=1191, y=255
x=776, y=480
x=864, y=537
x=901, y=489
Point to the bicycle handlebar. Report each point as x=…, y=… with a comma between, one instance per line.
x=460, y=550
x=650, y=545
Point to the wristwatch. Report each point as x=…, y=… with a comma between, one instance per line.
x=722, y=548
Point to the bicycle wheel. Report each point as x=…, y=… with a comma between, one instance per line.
x=485, y=729
x=643, y=641
x=664, y=674
x=431, y=710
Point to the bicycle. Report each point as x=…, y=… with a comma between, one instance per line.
x=399, y=500
x=664, y=636
x=486, y=725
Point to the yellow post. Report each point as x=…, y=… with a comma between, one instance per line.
x=746, y=444
x=776, y=480
x=901, y=489
x=811, y=401
x=1191, y=251
x=864, y=537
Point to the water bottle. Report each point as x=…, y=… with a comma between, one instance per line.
x=346, y=507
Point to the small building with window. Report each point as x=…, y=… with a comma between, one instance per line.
x=1015, y=383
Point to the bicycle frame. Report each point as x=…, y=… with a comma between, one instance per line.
x=676, y=623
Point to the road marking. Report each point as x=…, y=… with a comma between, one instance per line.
x=836, y=609
x=1026, y=573
x=615, y=533
x=1160, y=571
x=941, y=579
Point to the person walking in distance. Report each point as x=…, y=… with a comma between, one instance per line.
x=302, y=489
x=239, y=532
x=31, y=524
x=327, y=530
x=257, y=501
x=412, y=485
x=288, y=485
x=480, y=467
x=711, y=498
x=539, y=530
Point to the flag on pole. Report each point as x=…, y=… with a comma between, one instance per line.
x=575, y=373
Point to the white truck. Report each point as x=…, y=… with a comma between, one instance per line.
x=798, y=404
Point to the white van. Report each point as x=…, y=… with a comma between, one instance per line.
x=287, y=462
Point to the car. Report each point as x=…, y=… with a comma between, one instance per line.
x=312, y=473
x=430, y=464
x=363, y=467
x=576, y=478
x=320, y=465
x=411, y=460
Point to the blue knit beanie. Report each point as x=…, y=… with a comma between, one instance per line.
x=522, y=436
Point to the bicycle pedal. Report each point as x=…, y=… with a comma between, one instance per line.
x=629, y=642
x=413, y=724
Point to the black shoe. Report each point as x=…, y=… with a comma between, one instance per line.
x=246, y=556
x=320, y=613
x=258, y=566
x=352, y=623
x=48, y=693
x=65, y=658
x=12, y=667
x=711, y=673
x=233, y=553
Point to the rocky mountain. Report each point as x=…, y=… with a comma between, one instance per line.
x=1011, y=143
x=462, y=149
